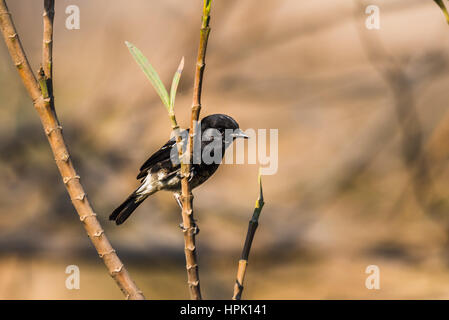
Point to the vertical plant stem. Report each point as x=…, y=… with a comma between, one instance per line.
x=186, y=192
x=40, y=93
x=47, y=45
x=252, y=227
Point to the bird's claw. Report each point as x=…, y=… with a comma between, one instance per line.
x=195, y=228
x=192, y=173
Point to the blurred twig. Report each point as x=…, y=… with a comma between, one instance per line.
x=256, y=45
x=252, y=227
x=40, y=92
x=412, y=138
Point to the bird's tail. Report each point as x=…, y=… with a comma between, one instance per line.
x=123, y=211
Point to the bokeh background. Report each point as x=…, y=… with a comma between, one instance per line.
x=363, y=149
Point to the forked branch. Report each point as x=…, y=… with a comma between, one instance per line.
x=40, y=92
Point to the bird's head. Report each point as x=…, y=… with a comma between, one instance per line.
x=224, y=124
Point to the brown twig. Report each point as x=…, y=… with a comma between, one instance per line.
x=40, y=93
x=186, y=193
x=252, y=227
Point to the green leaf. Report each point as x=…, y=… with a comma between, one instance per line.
x=151, y=74
x=174, y=85
x=440, y=3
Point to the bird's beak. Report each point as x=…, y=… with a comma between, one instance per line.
x=239, y=134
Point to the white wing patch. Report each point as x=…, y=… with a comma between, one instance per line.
x=161, y=175
x=148, y=185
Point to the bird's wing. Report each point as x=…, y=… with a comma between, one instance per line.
x=159, y=157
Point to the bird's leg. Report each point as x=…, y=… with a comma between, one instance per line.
x=178, y=199
x=181, y=225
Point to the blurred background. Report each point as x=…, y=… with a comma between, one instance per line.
x=363, y=173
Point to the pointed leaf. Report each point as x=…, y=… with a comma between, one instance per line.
x=206, y=7
x=151, y=74
x=260, y=201
x=259, y=179
x=174, y=85
x=440, y=3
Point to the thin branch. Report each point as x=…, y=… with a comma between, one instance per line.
x=18, y=56
x=40, y=93
x=252, y=227
x=186, y=195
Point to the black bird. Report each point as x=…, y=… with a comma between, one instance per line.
x=162, y=172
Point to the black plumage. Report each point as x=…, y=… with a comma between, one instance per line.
x=162, y=170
